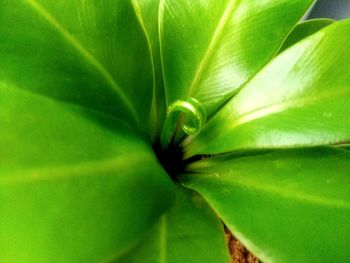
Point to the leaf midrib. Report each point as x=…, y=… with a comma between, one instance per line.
x=84, y=52
x=282, y=106
x=84, y=169
x=290, y=194
x=242, y=181
x=212, y=48
x=60, y=103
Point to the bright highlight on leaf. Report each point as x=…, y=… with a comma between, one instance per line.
x=133, y=131
x=211, y=48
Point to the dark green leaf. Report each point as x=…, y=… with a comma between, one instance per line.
x=303, y=30
x=285, y=206
x=345, y=146
x=210, y=48
x=188, y=232
x=92, y=53
x=75, y=186
x=301, y=99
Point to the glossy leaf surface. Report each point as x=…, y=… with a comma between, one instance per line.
x=70, y=182
x=210, y=48
x=303, y=30
x=301, y=99
x=92, y=53
x=189, y=232
x=285, y=206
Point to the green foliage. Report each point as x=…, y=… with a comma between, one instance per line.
x=303, y=30
x=300, y=99
x=293, y=196
x=187, y=232
x=92, y=92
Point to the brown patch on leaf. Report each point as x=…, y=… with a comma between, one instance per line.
x=239, y=254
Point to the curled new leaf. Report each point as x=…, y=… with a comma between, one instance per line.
x=189, y=114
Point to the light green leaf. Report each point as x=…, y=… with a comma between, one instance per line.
x=285, y=206
x=305, y=29
x=147, y=12
x=189, y=232
x=87, y=52
x=75, y=185
x=301, y=99
x=210, y=48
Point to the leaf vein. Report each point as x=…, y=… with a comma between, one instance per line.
x=84, y=53
x=84, y=169
x=213, y=45
x=282, y=106
x=289, y=193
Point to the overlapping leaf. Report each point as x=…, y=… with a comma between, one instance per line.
x=78, y=185
x=285, y=206
x=302, y=98
x=210, y=48
x=147, y=12
x=188, y=232
x=75, y=186
x=303, y=30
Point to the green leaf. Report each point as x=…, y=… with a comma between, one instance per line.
x=345, y=146
x=285, y=206
x=188, y=232
x=210, y=48
x=300, y=99
x=147, y=12
x=305, y=29
x=91, y=53
x=75, y=185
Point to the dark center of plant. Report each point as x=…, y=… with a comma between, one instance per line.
x=171, y=160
